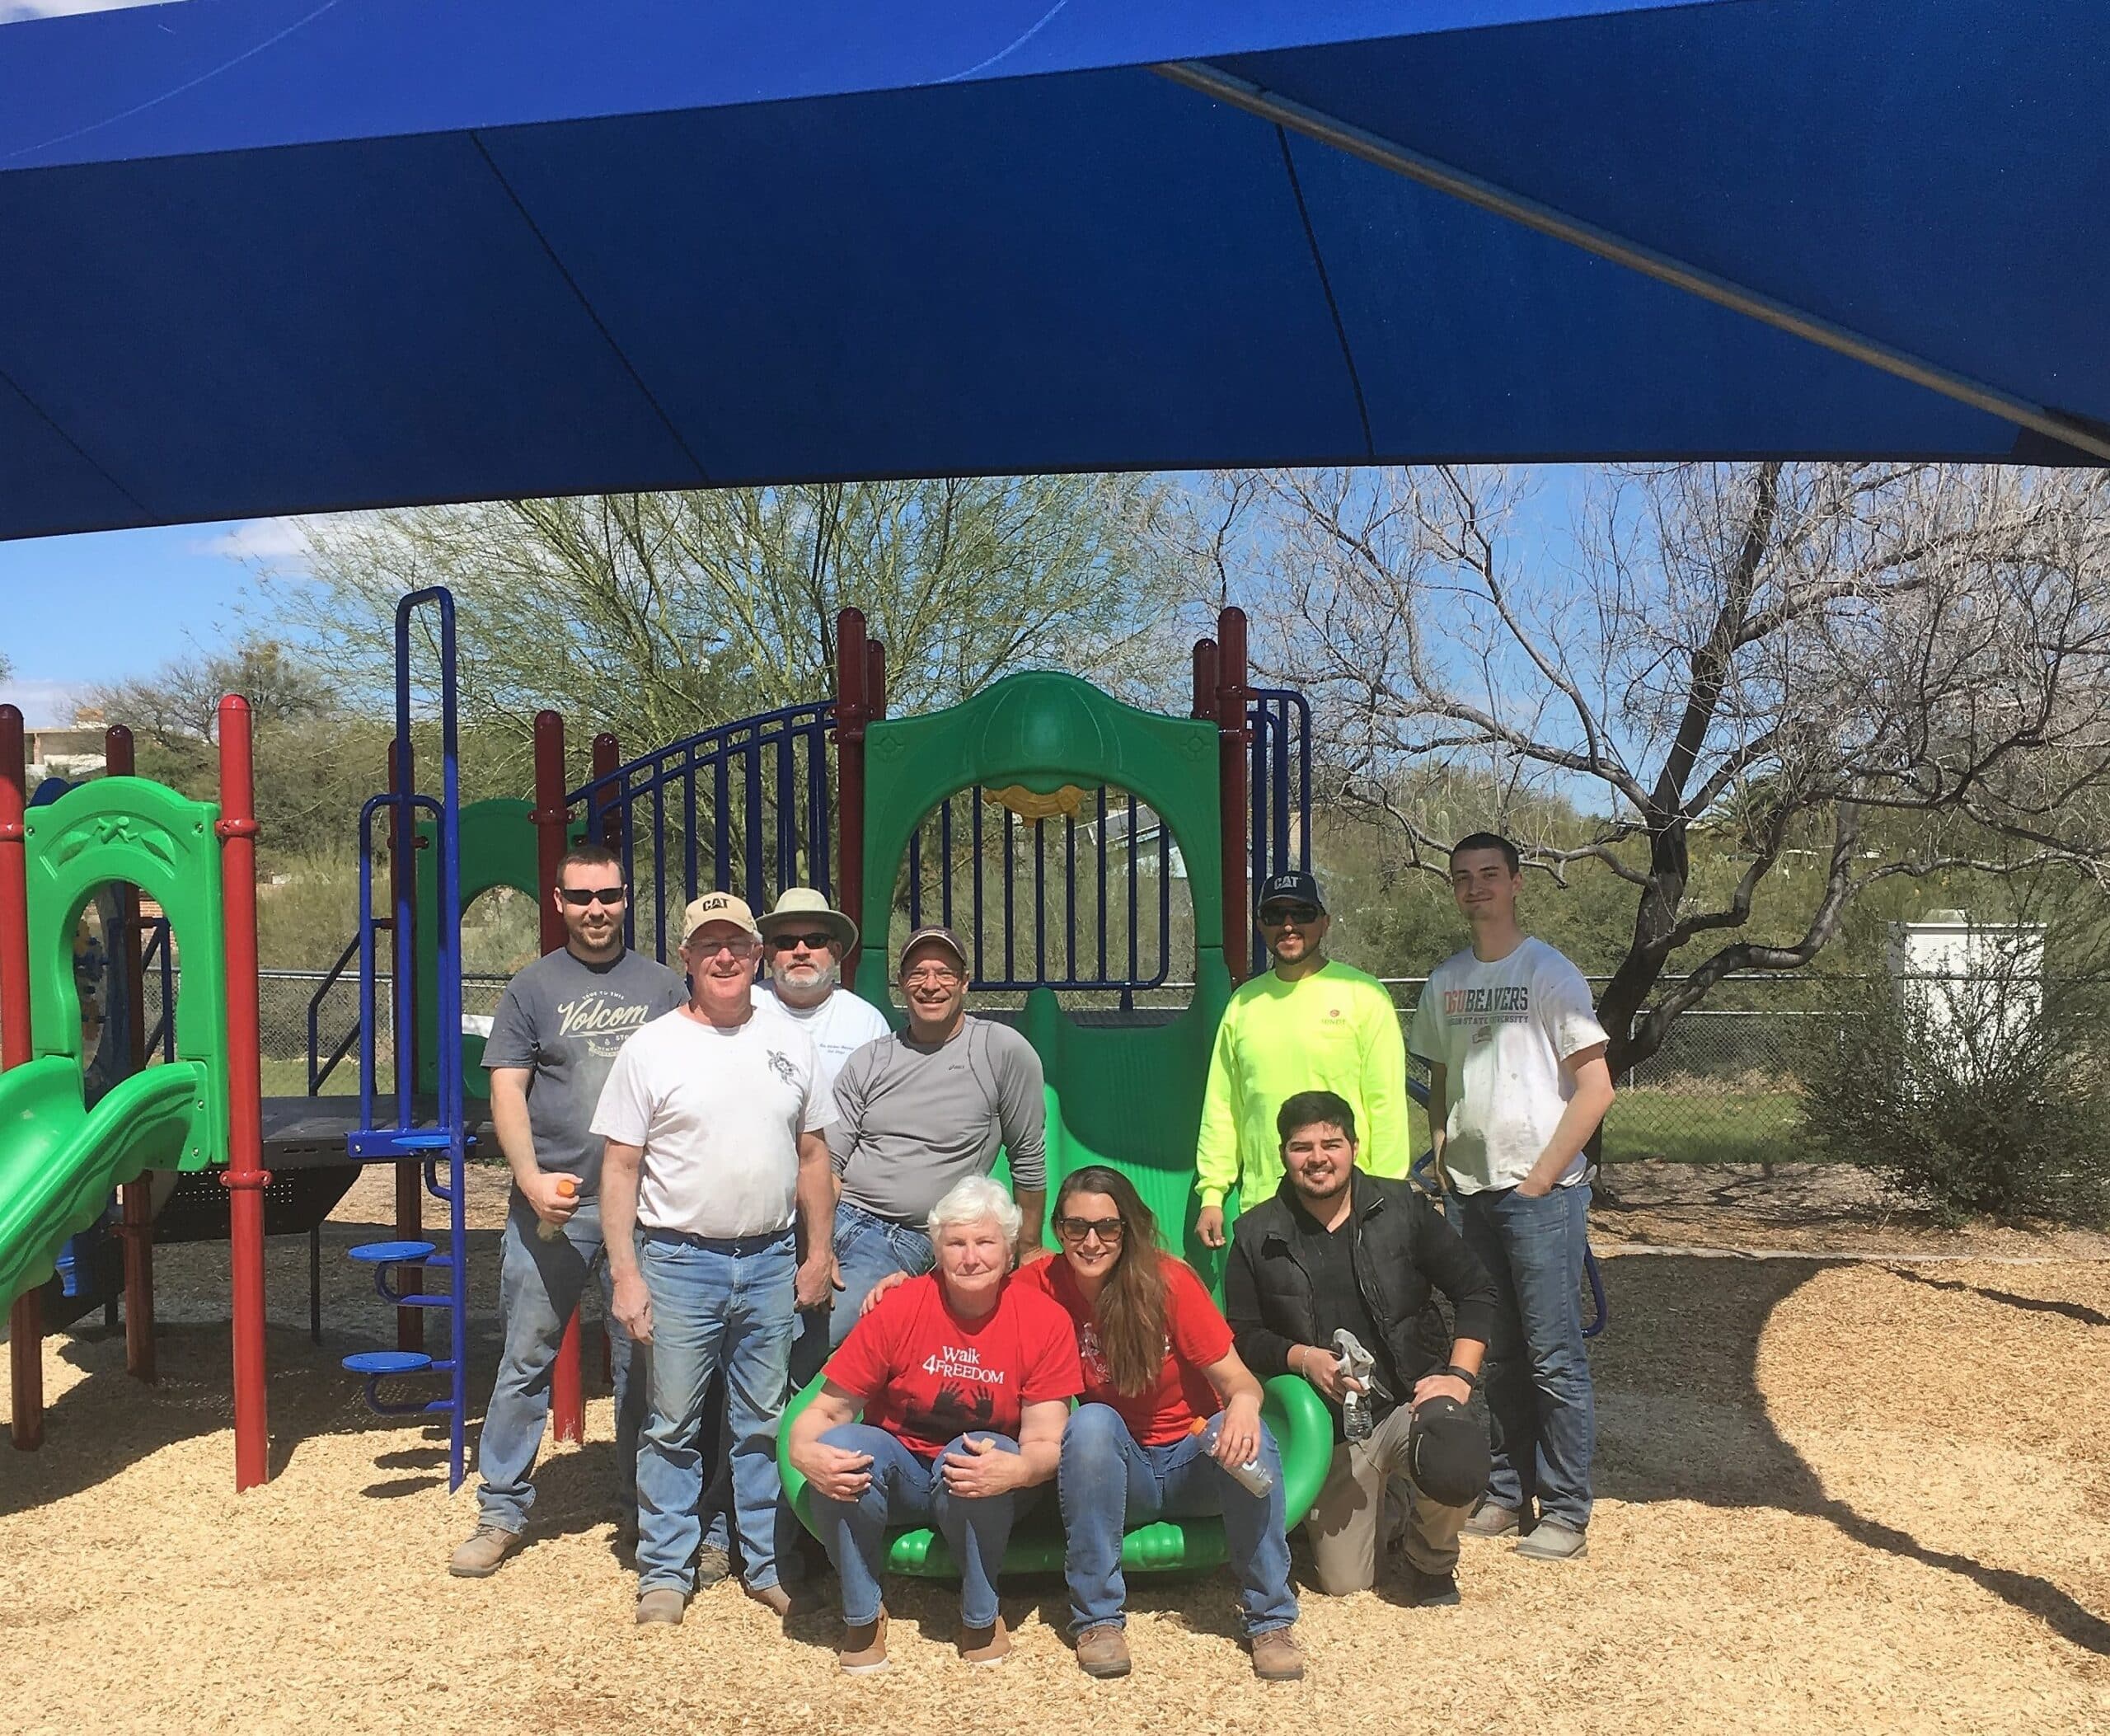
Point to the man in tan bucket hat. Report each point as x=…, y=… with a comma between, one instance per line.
x=804, y=941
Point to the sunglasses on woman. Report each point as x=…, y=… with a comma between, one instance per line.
x=1108, y=1230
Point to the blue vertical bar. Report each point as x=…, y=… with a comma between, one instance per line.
x=974, y=813
x=787, y=809
x=1040, y=900
x=916, y=879
x=660, y=864
x=1069, y=899
x=945, y=862
x=1100, y=832
x=1303, y=779
x=820, y=839
x=1164, y=902
x=1279, y=791
x=1011, y=912
x=752, y=819
x=1256, y=830
x=689, y=840
x=1128, y=997
x=721, y=822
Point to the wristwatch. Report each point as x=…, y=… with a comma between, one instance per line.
x=1472, y=1380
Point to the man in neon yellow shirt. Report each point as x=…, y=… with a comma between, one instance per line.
x=1309, y=1025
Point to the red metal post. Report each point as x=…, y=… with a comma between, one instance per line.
x=852, y=706
x=26, y=1319
x=1233, y=744
x=553, y=821
x=245, y=1178
x=410, y=1172
x=1205, y=680
x=136, y=1225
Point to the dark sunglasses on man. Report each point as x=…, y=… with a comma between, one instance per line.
x=579, y=897
x=792, y=942
x=1273, y=916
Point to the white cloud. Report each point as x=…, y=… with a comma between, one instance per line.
x=44, y=705
x=258, y=539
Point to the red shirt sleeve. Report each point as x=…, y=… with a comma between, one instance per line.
x=1200, y=1334
x=1050, y=1342
x=866, y=1360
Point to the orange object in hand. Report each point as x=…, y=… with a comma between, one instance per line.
x=567, y=1189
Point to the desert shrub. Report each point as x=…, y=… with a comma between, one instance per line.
x=1987, y=1095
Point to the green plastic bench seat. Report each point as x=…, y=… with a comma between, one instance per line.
x=1294, y=1413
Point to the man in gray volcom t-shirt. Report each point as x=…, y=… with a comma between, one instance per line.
x=558, y=1029
x=917, y=1110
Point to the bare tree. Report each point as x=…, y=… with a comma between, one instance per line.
x=1900, y=667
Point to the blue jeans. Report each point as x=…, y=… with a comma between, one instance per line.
x=908, y=1489
x=867, y=1248
x=540, y=1283
x=1109, y=1482
x=1538, y=1380
x=712, y=1308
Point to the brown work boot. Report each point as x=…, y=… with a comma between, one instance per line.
x=478, y=1556
x=1102, y=1651
x=661, y=1606
x=862, y=1650
x=1491, y=1520
x=985, y=1646
x=1276, y=1657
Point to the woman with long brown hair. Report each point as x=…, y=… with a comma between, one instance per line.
x=1169, y=1426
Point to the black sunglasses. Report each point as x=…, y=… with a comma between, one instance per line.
x=1273, y=916
x=811, y=942
x=579, y=897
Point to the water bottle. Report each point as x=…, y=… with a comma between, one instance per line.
x=1355, y=1415
x=1252, y=1474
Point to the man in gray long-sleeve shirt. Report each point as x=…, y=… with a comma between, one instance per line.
x=919, y=1110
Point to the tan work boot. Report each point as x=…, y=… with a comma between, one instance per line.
x=660, y=1606
x=985, y=1646
x=478, y=1556
x=862, y=1650
x=1102, y=1651
x=1276, y=1657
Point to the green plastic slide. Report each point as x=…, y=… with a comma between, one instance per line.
x=59, y=1160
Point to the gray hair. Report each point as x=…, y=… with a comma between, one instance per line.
x=973, y=1200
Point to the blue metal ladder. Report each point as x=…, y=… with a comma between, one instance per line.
x=445, y=1139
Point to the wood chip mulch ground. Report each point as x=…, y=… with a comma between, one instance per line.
x=1835, y=1494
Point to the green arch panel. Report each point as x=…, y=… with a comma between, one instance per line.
x=1127, y=1096
x=133, y=830
x=498, y=849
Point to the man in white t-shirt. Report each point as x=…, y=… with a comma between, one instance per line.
x=804, y=943
x=713, y=1117
x=1518, y=1085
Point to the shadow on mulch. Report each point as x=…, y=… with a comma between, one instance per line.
x=2073, y=1311
x=1760, y=1468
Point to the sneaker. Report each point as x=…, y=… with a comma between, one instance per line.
x=862, y=1650
x=479, y=1556
x=1551, y=1541
x=1431, y=1591
x=713, y=1566
x=661, y=1606
x=985, y=1646
x=1491, y=1520
x=1276, y=1657
x=1102, y=1651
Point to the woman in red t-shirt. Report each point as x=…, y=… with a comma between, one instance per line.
x=965, y=1377
x=1168, y=1410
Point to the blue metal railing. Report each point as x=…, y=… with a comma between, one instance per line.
x=744, y=807
x=1278, y=785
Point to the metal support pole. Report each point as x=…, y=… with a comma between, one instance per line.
x=136, y=1226
x=553, y=823
x=1233, y=742
x=852, y=666
x=26, y=1319
x=410, y=1176
x=245, y=1177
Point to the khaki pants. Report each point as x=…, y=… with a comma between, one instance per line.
x=1347, y=1521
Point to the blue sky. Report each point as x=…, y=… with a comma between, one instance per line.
x=79, y=610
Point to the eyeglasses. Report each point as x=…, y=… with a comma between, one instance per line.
x=740, y=948
x=1108, y=1230
x=579, y=897
x=792, y=942
x=1274, y=915
x=942, y=974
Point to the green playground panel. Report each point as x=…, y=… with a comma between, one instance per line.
x=1295, y=1415
x=133, y=830
x=1129, y=1095
x=498, y=849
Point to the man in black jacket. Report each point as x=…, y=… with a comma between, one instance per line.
x=1337, y=1249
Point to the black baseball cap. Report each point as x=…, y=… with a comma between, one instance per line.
x=1292, y=886
x=1447, y=1452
